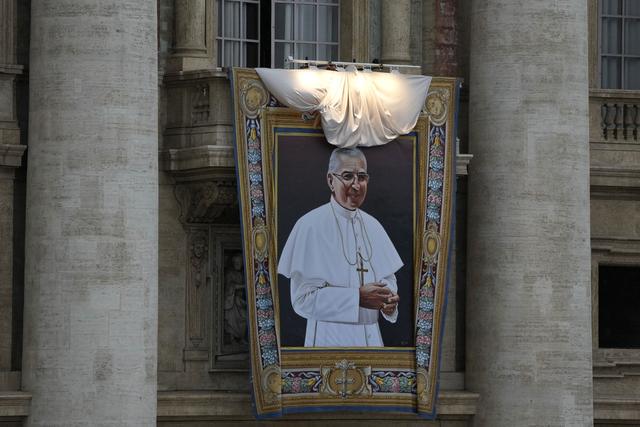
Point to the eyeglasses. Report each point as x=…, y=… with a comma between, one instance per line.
x=351, y=176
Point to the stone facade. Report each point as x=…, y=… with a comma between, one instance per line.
x=551, y=193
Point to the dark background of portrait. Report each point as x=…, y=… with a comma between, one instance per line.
x=302, y=163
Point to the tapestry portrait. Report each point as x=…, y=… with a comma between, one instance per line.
x=346, y=250
x=386, y=197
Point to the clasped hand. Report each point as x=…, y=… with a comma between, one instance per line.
x=378, y=296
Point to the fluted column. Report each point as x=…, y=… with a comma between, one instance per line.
x=396, y=27
x=90, y=332
x=528, y=307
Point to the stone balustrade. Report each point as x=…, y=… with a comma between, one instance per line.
x=615, y=115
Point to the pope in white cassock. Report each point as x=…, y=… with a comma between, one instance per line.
x=342, y=263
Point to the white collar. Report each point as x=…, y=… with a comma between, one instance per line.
x=341, y=210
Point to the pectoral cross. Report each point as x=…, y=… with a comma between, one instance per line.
x=361, y=270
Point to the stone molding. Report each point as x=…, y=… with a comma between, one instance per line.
x=612, y=245
x=210, y=405
x=618, y=369
x=202, y=405
x=214, y=156
x=616, y=409
x=462, y=164
x=11, y=69
x=14, y=404
x=611, y=177
x=207, y=156
x=206, y=405
x=11, y=155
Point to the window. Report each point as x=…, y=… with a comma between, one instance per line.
x=238, y=33
x=620, y=44
x=304, y=29
x=254, y=33
x=618, y=315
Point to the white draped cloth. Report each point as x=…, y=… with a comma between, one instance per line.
x=357, y=108
x=320, y=259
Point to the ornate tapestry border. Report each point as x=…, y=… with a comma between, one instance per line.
x=294, y=380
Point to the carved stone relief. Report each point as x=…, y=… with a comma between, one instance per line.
x=230, y=343
x=216, y=289
x=200, y=104
x=210, y=202
x=198, y=280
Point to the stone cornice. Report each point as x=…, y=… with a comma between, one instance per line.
x=206, y=156
x=14, y=404
x=214, y=156
x=189, y=76
x=11, y=155
x=614, y=93
x=211, y=405
x=11, y=69
x=462, y=163
x=620, y=246
x=202, y=405
x=616, y=409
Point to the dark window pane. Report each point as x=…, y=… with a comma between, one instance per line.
x=306, y=22
x=252, y=18
x=632, y=36
x=632, y=8
x=232, y=19
x=612, y=7
x=327, y=52
x=328, y=24
x=282, y=50
x=618, y=314
x=284, y=21
x=611, y=73
x=220, y=20
x=232, y=54
x=632, y=73
x=611, y=35
x=219, y=63
x=305, y=51
x=253, y=58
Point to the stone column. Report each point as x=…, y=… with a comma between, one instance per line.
x=6, y=273
x=10, y=158
x=90, y=321
x=190, y=42
x=190, y=27
x=440, y=46
x=354, y=31
x=396, y=34
x=528, y=294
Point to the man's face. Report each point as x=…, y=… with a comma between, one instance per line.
x=350, y=194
